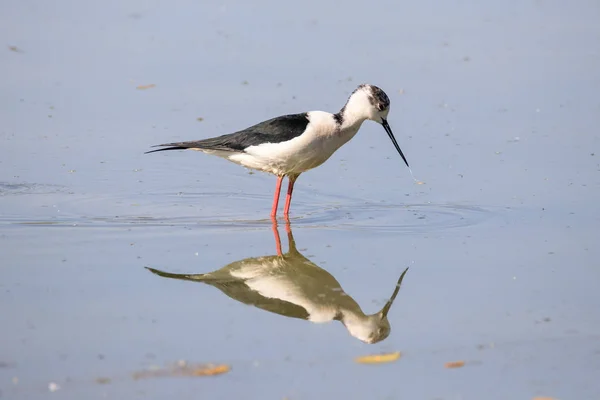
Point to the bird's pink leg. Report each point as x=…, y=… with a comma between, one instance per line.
x=288, y=199
x=276, y=197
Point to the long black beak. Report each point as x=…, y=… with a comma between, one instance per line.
x=387, y=128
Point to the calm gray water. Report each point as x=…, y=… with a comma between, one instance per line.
x=496, y=106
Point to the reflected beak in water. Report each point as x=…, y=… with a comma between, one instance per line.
x=384, y=311
x=387, y=128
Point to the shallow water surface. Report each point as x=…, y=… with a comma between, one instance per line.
x=118, y=267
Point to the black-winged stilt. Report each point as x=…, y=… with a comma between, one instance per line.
x=292, y=144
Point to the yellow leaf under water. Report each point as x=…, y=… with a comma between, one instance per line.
x=454, y=364
x=378, y=358
x=208, y=371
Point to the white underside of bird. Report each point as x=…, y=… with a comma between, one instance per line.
x=323, y=136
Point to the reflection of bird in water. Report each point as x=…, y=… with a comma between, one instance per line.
x=291, y=285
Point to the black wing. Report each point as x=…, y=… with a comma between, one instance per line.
x=275, y=130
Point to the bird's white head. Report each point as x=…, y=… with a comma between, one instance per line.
x=368, y=102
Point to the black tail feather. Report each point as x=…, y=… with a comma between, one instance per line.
x=166, y=148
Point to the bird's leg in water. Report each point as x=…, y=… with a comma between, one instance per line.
x=288, y=198
x=276, y=196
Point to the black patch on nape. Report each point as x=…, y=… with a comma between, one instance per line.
x=339, y=117
x=378, y=98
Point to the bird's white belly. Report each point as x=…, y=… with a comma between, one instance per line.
x=292, y=157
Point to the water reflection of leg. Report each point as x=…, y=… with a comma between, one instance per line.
x=291, y=241
x=276, y=234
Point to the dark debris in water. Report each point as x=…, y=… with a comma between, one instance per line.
x=7, y=364
x=15, y=49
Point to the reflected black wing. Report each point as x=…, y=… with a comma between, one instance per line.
x=275, y=130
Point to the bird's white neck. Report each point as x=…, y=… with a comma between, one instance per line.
x=351, y=121
x=353, y=114
x=348, y=125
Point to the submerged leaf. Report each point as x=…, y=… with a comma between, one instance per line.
x=208, y=371
x=183, y=369
x=454, y=364
x=378, y=358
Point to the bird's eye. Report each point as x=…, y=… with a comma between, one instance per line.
x=381, y=106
